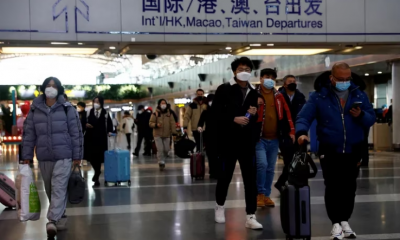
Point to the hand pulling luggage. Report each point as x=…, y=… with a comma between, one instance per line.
x=197, y=162
x=117, y=165
x=7, y=191
x=295, y=200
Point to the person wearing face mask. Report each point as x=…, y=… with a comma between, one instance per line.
x=52, y=129
x=275, y=129
x=81, y=106
x=163, y=125
x=295, y=100
x=343, y=112
x=234, y=113
x=144, y=131
x=99, y=126
x=206, y=125
x=193, y=113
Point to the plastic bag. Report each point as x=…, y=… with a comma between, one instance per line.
x=76, y=186
x=28, y=201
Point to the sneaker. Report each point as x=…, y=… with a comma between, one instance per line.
x=348, y=233
x=337, y=232
x=96, y=184
x=62, y=223
x=261, y=200
x=252, y=222
x=135, y=154
x=84, y=163
x=268, y=202
x=219, y=214
x=51, y=229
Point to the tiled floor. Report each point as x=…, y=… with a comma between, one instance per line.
x=168, y=205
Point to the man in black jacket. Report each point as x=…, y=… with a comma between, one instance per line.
x=235, y=137
x=142, y=121
x=295, y=100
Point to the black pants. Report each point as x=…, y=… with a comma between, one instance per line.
x=287, y=150
x=97, y=170
x=147, y=143
x=213, y=163
x=365, y=151
x=128, y=138
x=196, y=136
x=340, y=173
x=248, y=168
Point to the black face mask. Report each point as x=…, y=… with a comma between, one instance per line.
x=292, y=87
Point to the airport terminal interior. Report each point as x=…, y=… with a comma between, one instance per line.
x=138, y=56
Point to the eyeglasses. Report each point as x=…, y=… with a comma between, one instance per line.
x=342, y=80
x=244, y=70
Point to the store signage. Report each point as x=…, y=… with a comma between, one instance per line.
x=261, y=15
x=182, y=100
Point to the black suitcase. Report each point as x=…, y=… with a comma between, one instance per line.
x=295, y=212
x=295, y=199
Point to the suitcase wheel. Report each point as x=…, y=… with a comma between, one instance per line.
x=129, y=183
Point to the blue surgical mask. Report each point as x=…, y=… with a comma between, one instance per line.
x=342, y=86
x=269, y=83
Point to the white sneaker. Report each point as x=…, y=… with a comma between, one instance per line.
x=62, y=223
x=84, y=163
x=51, y=229
x=337, y=232
x=219, y=214
x=252, y=222
x=348, y=233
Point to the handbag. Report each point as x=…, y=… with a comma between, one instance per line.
x=76, y=186
x=299, y=168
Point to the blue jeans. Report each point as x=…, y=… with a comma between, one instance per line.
x=266, y=156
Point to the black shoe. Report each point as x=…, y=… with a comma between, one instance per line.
x=162, y=166
x=96, y=184
x=135, y=154
x=147, y=154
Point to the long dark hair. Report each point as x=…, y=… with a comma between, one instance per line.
x=60, y=88
x=101, y=101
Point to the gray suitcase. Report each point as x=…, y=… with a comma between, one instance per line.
x=295, y=212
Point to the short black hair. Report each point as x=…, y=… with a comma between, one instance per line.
x=101, y=101
x=241, y=61
x=81, y=104
x=140, y=107
x=288, y=76
x=199, y=90
x=210, y=97
x=269, y=72
x=127, y=113
x=60, y=88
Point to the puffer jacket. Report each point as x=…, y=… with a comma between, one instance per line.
x=167, y=124
x=193, y=114
x=337, y=130
x=55, y=132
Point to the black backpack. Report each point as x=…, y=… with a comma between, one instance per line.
x=76, y=186
x=299, y=168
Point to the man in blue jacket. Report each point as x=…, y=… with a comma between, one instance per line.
x=342, y=112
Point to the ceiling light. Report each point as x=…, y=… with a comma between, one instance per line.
x=358, y=47
x=270, y=45
x=228, y=48
x=59, y=43
x=255, y=45
x=1, y=42
x=348, y=50
x=48, y=50
x=112, y=47
x=367, y=74
x=79, y=43
x=278, y=52
x=379, y=72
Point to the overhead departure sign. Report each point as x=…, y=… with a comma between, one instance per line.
x=263, y=15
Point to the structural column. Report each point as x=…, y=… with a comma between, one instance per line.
x=396, y=104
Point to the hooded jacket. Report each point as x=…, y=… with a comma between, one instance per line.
x=337, y=130
x=55, y=132
x=285, y=123
x=297, y=102
x=193, y=113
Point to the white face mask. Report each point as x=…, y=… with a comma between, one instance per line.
x=96, y=106
x=163, y=106
x=210, y=102
x=140, y=111
x=51, y=92
x=243, y=76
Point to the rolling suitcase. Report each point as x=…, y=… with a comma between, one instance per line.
x=295, y=200
x=7, y=191
x=197, y=163
x=117, y=165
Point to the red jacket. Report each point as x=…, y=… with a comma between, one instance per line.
x=285, y=122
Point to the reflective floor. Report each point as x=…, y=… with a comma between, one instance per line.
x=168, y=205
